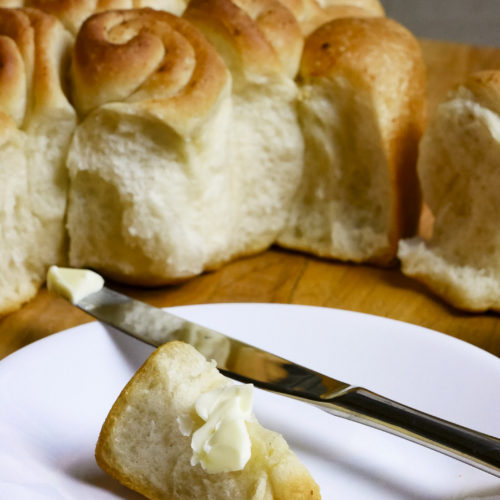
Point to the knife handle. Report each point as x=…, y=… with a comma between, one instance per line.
x=469, y=446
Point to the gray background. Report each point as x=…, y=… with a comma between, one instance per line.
x=474, y=22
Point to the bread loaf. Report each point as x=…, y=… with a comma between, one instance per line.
x=142, y=444
x=197, y=142
x=149, y=196
x=261, y=43
x=362, y=112
x=459, y=171
x=36, y=122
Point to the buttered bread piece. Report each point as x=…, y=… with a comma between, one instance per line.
x=261, y=43
x=362, y=112
x=459, y=169
x=36, y=125
x=161, y=436
x=149, y=201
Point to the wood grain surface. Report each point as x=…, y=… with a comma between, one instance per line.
x=287, y=277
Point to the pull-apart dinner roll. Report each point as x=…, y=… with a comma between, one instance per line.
x=36, y=125
x=149, y=196
x=362, y=112
x=72, y=13
x=261, y=44
x=143, y=444
x=459, y=169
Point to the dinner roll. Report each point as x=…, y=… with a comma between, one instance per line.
x=459, y=169
x=143, y=445
x=362, y=112
x=261, y=43
x=37, y=123
x=149, y=201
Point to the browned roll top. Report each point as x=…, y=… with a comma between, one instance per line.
x=256, y=36
x=143, y=54
x=367, y=50
x=17, y=54
x=30, y=43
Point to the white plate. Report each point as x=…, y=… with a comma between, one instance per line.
x=55, y=393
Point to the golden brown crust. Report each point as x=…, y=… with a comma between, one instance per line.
x=52, y=46
x=17, y=53
x=32, y=46
x=12, y=80
x=262, y=36
x=103, y=451
x=382, y=59
x=145, y=55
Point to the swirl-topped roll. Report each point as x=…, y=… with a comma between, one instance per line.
x=261, y=43
x=144, y=55
x=37, y=122
x=149, y=187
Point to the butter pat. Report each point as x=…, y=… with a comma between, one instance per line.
x=73, y=284
x=222, y=443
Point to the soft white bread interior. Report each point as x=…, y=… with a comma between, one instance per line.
x=362, y=112
x=141, y=443
x=18, y=283
x=34, y=53
x=149, y=200
x=261, y=43
x=459, y=169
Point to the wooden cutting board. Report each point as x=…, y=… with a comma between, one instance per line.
x=288, y=277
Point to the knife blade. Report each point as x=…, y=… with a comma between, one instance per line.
x=246, y=363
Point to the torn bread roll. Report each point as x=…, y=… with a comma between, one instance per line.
x=149, y=201
x=362, y=113
x=36, y=125
x=144, y=444
x=459, y=172
x=261, y=43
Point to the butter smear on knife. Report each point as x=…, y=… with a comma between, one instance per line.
x=73, y=284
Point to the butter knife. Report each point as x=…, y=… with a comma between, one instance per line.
x=267, y=371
